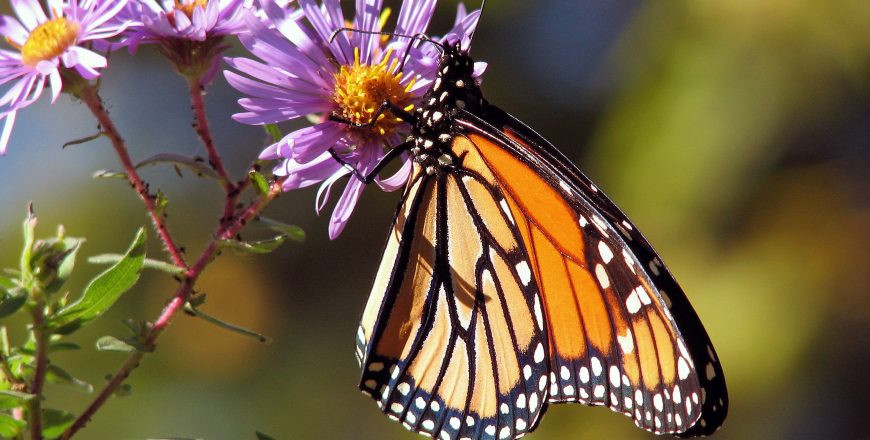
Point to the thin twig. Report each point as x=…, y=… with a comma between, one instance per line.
x=185, y=290
x=92, y=99
x=202, y=129
x=41, y=341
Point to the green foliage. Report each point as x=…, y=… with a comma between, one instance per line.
x=111, y=343
x=103, y=290
x=262, y=436
x=55, y=421
x=261, y=186
x=192, y=308
x=9, y=426
x=293, y=232
x=255, y=247
x=44, y=267
x=196, y=164
x=273, y=131
x=148, y=264
x=58, y=375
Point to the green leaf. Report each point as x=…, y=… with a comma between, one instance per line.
x=225, y=325
x=83, y=140
x=55, y=422
x=12, y=301
x=273, y=131
x=262, y=436
x=261, y=186
x=29, y=234
x=196, y=164
x=149, y=263
x=111, y=343
x=7, y=283
x=293, y=232
x=17, y=396
x=106, y=174
x=53, y=260
x=67, y=262
x=63, y=346
x=55, y=374
x=10, y=427
x=254, y=247
x=160, y=202
x=103, y=290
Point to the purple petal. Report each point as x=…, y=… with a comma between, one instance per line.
x=344, y=207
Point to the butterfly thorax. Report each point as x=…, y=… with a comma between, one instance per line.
x=454, y=90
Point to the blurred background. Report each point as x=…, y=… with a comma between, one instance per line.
x=735, y=134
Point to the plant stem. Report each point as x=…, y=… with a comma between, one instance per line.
x=40, y=338
x=92, y=99
x=228, y=230
x=202, y=129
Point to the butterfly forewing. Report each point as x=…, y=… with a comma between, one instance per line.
x=648, y=355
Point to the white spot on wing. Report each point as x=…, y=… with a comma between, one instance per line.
x=643, y=295
x=455, y=423
x=533, y=402
x=404, y=388
x=539, y=353
x=600, y=224
x=605, y=252
x=584, y=375
x=376, y=366
x=683, y=368
x=632, y=303
x=521, y=401
x=629, y=260
x=539, y=317
x=614, y=376
x=598, y=391
x=524, y=272
x=626, y=342
x=507, y=210
x=601, y=274
x=596, y=366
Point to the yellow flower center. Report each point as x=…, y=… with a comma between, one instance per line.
x=49, y=40
x=360, y=90
x=187, y=8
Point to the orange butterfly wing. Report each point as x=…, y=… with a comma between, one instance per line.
x=510, y=281
x=622, y=333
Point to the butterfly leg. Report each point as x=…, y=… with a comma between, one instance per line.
x=370, y=177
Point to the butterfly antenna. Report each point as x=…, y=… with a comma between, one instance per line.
x=479, y=16
x=414, y=38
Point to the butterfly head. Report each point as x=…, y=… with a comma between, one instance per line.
x=454, y=90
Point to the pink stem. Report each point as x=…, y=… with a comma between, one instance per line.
x=185, y=290
x=92, y=100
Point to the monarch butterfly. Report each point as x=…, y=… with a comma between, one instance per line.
x=510, y=281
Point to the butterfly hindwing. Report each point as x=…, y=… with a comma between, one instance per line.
x=449, y=342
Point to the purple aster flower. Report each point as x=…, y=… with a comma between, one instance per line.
x=188, y=32
x=305, y=68
x=51, y=48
